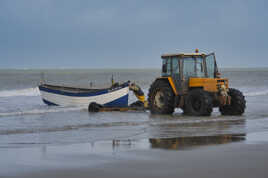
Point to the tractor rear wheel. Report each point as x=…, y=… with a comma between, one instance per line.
x=198, y=103
x=238, y=103
x=161, y=98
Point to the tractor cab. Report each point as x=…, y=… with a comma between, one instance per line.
x=188, y=70
x=189, y=65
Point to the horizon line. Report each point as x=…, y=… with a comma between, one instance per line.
x=127, y=68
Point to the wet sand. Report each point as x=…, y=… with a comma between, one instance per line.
x=218, y=158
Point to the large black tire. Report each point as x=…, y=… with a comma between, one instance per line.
x=161, y=98
x=237, y=106
x=198, y=103
x=94, y=107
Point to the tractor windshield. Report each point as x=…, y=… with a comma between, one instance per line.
x=193, y=67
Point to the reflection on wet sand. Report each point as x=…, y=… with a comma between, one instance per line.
x=181, y=128
x=188, y=133
x=189, y=142
x=178, y=143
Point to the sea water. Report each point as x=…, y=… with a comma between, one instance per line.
x=26, y=121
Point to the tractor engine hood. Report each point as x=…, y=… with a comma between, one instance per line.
x=209, y=84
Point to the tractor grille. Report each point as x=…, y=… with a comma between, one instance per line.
x=220, y=81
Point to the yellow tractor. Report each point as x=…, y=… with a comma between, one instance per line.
x=192, y=82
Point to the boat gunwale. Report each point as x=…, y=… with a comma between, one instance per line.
x=65, y=90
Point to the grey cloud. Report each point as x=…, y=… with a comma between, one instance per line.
x=52, y=33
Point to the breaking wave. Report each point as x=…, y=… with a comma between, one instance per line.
x=40, y=111
x=257, y=93
x=20, y=92
x=66, y=128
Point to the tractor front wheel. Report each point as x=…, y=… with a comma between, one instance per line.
x=198, y=103
x=161, y=98
x=238, y=103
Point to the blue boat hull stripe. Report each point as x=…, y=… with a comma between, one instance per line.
x=120, y=102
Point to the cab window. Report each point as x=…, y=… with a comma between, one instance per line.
x=166, y=67
x=175, y=65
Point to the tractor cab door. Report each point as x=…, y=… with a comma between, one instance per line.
x=177, y=75
x=211, y=66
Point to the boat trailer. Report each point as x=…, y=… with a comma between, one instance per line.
x=140, y=105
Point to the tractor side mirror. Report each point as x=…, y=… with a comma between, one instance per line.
x=164, y=68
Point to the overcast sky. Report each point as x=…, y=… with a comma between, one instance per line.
x=130, y=33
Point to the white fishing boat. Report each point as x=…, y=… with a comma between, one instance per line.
x=115, y=96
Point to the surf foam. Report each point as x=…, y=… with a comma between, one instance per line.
x=20, y=92
x=40, y=111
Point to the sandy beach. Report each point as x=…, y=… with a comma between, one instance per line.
x=222, y=157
